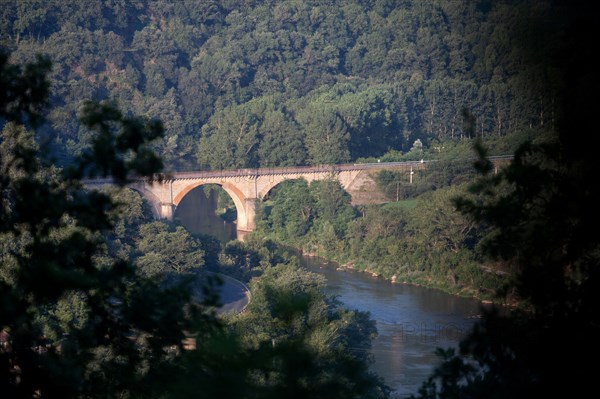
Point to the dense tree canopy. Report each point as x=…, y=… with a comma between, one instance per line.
x=262, y=84
x=164, y=250
x=245, y=84
x=86, y=305
x=544, y=216
x=71, y=322
x=318, y=347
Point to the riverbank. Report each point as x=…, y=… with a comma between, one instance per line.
x=423, y=241
x=411, y=322
x=484, y=296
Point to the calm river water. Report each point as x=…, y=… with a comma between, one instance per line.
x=412, y=321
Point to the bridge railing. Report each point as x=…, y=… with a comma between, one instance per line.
x=290, y=170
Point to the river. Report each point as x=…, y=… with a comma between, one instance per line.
x=411, y=321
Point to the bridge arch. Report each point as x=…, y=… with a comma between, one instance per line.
x=266, y=188
x=152, y=199
x=245, y=221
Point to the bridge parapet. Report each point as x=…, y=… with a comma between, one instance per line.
x=292, y=170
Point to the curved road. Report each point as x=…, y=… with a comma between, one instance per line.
x=233, y=295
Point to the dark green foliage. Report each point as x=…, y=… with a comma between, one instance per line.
x=79, y=320
x=248, y=84
x=121, y=146
x=166, y=250
x=439, y=174
x=292, y=213
x=327, y=136
x=129, y=213
x=426, y=241
x=336, y=81
x=298, y=212
x=332, y=204
x=397, y=186
x=24, y=91
x=544, y=216
x=308, y=345
x=282, y=141
x=230, y=139
x=74, y=327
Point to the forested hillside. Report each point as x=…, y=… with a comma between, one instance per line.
x=276, y=83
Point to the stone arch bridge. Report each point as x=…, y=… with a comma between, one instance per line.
x=247, y=186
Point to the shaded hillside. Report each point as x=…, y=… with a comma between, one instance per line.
x=271, y=83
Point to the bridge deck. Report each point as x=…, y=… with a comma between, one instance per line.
x=299, y=170
x=292, y=170
x=407, y=165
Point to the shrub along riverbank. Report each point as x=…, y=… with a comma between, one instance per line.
x=423, y=241
x=420, y=239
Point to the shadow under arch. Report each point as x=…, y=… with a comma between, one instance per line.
x=152, y=199
x=194, y=194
